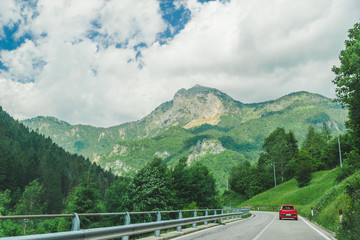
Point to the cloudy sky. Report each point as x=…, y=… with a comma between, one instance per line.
x=106, y=62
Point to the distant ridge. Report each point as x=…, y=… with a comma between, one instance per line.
x=200, y=123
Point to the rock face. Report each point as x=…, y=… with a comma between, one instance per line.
x=203, y=148
x=191, y=108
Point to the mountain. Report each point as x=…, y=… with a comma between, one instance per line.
x=26, y=156
x=203, y=124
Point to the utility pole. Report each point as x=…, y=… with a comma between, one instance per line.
x=339, y=152
x=274, y=174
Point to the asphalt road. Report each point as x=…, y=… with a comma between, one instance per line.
x=263, y=226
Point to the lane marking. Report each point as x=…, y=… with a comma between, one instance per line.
x=257, y=236
x=211, y=228
x=193, y=233
x=323, y=235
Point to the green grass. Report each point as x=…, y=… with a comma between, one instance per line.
x=323, y=194
x=234, y=198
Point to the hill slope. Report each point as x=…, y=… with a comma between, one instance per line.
x=26, y=155
x=324, y=195
x=200, y=123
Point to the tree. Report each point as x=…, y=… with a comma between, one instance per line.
x=330, y=155
x=4, y=202
x=193, y=185
x=85, y=198
x=181, y=183
x=31, y=199
x=203, y=186
x=280, y=147
x=150, y=189
x=117, y=198
x=314, y=143
x=303, y=168
x=240, y=176
x=347, y=80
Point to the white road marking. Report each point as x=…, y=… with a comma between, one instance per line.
x=323, y=235
x=257, y=236
x=187, y=235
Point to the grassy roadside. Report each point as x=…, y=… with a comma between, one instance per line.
x=324, y=195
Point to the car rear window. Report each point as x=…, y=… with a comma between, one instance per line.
x=288, y=207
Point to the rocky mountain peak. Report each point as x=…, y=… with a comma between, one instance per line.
x=201, y=90
x=193, y=107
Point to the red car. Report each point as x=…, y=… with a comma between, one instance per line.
x=288, y=211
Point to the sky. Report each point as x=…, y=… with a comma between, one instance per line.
x=107, y=62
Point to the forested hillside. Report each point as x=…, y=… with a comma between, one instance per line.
x=26, y=156
x=39, y=177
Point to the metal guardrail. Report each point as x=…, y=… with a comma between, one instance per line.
x=127, y=229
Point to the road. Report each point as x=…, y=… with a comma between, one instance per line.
x=263, y=226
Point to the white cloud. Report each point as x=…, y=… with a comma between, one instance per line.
x=252, y=50
x=9, y=14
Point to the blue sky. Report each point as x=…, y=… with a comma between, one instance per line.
x=107, y=62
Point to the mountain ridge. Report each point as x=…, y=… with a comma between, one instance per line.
x=191, y=125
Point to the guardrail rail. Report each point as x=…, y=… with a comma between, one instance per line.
x=128, y=229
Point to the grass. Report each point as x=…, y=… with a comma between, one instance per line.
x=323, y=194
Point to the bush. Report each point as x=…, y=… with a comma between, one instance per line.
x=350, y=226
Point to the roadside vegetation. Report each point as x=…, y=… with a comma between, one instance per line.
x=309, y=173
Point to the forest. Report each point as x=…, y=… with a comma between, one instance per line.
x=38, y=177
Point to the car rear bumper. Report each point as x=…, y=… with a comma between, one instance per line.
x=288, y=215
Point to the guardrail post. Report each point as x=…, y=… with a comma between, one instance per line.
x=75, y=222
x=227, y=219
x=206, y=214
x=180, y=217
x=214, y=215
x=222, y=212
x=232, y=211
x=194, y=224
x=158, y=219
x=127, y=222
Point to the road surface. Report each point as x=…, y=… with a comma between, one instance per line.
x=263, y=226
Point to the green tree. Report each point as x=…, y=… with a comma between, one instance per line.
x=330, y=155
x=31, y=201
x=5, y=202
x=314, y=143
x=117, y=198
x=150, y=188
x=303, y=168
x=203, y=186
x=85, y=198
x=279, y=148
x=347, y=80
x=240, y=177
x=181, y=183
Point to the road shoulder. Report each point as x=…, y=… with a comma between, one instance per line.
x=326, y=232
x=186, y=231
